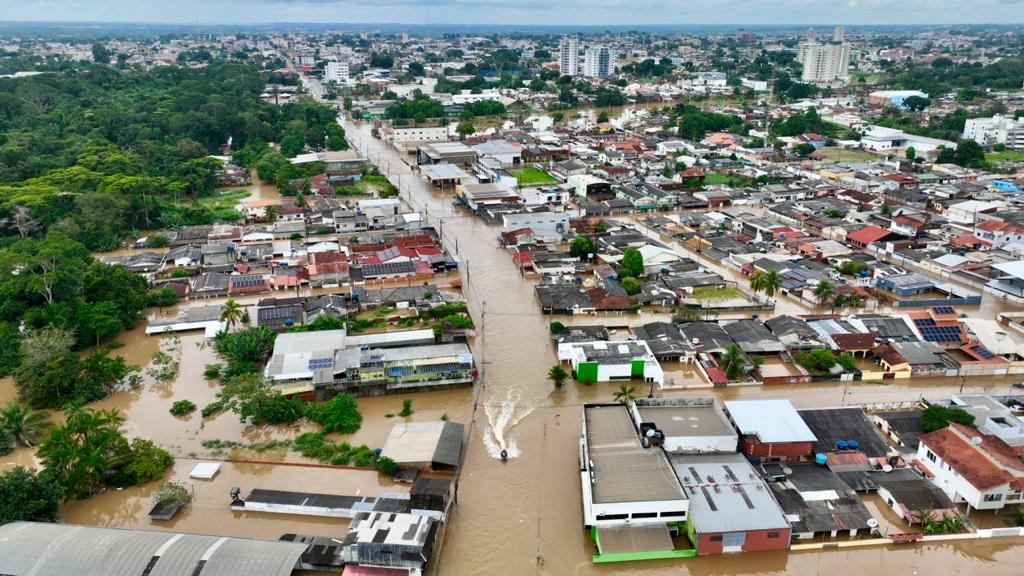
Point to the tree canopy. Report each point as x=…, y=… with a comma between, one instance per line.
x=98, y=152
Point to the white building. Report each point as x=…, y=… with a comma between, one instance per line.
x=688, y=425
x=598, y=61
x=467, y=96
x=568, y=56
x=607, y=361
x=996, y=130
x=882, y=139
x=543, y=223
x=824, y=63
x=978, y=469
x=404, y=135
x=755, y=85
x=337, y=72
x=624, y=482
x=839, y=34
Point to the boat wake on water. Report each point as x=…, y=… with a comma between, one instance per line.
x=502, y=416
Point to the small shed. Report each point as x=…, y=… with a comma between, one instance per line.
x=427, y=446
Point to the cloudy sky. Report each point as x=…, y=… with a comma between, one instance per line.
x=562, y=12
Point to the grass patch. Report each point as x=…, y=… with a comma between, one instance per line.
x=221, y=199
x=530, y=175
x=1005, y=155
x=712, y=293
x=715, y=179
x=835, y=154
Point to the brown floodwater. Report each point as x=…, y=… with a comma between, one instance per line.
x=524, y=516
x=518, y=517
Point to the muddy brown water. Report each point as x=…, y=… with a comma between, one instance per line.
x=524, y=516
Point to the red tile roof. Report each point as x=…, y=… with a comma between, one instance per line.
x=868, y=234
x=983, y=465
x=854, y=341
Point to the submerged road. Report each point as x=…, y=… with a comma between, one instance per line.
x=524, y=516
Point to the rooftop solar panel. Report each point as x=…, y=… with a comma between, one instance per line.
x=943, y=310
x=320, y=363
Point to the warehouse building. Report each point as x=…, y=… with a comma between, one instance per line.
x=731, y=508
x=39, y=549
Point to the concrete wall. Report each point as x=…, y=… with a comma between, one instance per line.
x=756, y=541
x=751, y=446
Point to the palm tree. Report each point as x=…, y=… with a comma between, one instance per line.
x=838, y=301
x=558, y=375
x=22, y=425
x=732, y=362
x=757, y=280
x=231, y=314
x=270, y=214
x=772, y=283
x=823, y=291
x=854, y=300
x=625, y=394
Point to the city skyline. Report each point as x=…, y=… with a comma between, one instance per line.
x=527, y=12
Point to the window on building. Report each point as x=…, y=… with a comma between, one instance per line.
x=645, y=515
x=930, y=455
x=993, y=497
x=715, y=539
x=734, y=539
x=773, y=534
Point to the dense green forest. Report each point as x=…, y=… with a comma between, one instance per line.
x=90, y=154
x=97, y=152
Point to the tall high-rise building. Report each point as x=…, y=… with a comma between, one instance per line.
x=598, y=61
x=824, y=63
x=336, y=72
x=569, y=56
x=839, y=34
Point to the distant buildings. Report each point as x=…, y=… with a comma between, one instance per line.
x=598, y=61
x=337, y=72
x=568, y=56
x=893, y=97
x=996, y=130
x=824, y=64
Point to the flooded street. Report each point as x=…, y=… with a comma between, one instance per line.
x=524, y=516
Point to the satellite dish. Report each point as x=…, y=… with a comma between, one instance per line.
x=976, y=440
x=887, y=468
x=787, y=471
x=872, y=523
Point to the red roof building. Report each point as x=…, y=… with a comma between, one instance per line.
x=867, y=235
x=970, y=466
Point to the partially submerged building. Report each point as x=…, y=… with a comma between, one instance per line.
x=608, y=361
x=731, y=508
x=329, y=361
x=624, y=480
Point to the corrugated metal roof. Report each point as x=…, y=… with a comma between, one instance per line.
x=61, y=549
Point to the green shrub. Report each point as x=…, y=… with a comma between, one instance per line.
x=183, y=407
x=212, y=408
x=212, y=371
x=386, y=466
x=339, y=414
x=406, y=408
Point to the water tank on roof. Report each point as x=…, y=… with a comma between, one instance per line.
x=842, y=445
x=820, y=459
x=852, y=444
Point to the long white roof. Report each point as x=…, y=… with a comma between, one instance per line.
x=772, y=421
